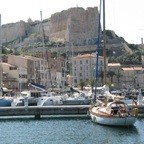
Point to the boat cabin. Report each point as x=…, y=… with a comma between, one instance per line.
x=34, y=94
x=116, y=107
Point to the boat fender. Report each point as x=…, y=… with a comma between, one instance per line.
x=136, y=112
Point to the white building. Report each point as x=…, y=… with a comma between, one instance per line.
x=84, y=66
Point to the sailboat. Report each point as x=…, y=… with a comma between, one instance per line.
x=115, y=113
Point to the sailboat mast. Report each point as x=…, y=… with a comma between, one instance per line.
x=97, y=52
x=104, y=42
x=45, y=53
x=0, y=59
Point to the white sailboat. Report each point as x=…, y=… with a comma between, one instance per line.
x=116, y=113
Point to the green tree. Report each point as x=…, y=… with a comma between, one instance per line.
x=82, y=84
x=118, y=76
x=134, y=77
x=101, y=75
x=92, y=82
x=111, y=74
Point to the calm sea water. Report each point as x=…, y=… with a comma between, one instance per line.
x=67, y=130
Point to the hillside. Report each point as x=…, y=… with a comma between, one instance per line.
x=75, y=27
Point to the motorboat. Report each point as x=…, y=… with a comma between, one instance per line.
x=5, y=97
x=5, y=101
x=49, y=100
x=31, y=95
x=76, y=99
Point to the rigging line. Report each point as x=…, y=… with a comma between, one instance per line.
x=1, y=71
x=112, y=26
x=97, y=54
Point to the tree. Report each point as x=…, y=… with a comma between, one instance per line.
x=134, y=77
x=111, y=74
x=101, y=75
x=82, y=84
x=92, y=82
x=118, y=75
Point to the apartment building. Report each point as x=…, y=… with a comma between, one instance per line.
x=21, y=70
x=126, y=77
x=117, y=69
x=133, y=77
x=10, y=76
x=84, y=67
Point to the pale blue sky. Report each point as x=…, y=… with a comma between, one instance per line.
x=125, y=17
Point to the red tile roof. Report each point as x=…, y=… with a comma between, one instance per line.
x=114, y=64
x=85, y=56
x=132, y=68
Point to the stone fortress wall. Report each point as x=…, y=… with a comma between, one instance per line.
x=72, y=25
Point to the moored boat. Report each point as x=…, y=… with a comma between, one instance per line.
x=116, y=113
x=5, y=101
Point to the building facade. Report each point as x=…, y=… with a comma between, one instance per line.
x=84, y=68
x=21, y=70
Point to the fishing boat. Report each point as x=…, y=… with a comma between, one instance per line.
x=115, y=113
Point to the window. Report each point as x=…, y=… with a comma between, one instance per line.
x=75, y=80
x=80, y=61
x=80, y=74
x=86, y=61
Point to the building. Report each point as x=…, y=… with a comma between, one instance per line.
x=133, y=77
x=21, y=70
x=126, y=77
x=116, y=68
x=84, y=68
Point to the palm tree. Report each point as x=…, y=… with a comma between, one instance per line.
x=118, y=75
x=82, y=84
x=92, y=82
x=101, y=75
x=111, y=74
x=134, y=77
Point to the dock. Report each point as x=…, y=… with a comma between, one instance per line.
x=38, y=111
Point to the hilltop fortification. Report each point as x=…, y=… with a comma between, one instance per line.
x=72, y=25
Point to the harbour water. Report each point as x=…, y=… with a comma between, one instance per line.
x=67, y=130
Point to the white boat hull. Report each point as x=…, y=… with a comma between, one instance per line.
x=119, y=121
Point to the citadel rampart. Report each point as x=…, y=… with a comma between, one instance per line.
x=70, y=25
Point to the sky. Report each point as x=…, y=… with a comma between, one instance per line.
x=125, y=17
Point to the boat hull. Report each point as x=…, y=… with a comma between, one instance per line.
x=76, y=102
x=113, y=121
x=5, y=102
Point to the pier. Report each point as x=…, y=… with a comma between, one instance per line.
x=38, y=111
